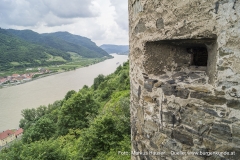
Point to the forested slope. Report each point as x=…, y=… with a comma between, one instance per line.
x=93, y=123
x=79, y=40
x=55, y=40
x=17, y=53
x=20, y=49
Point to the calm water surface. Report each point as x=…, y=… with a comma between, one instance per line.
x=49, y=89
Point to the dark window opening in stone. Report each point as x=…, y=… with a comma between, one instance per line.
x=199, y=56
x=179, y=55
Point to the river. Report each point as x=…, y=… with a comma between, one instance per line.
x=46, y=90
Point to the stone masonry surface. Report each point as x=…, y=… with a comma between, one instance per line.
x=185, y=79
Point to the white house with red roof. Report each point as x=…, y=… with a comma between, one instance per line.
x=19, y=133
x=6, y=137
x=9, y=135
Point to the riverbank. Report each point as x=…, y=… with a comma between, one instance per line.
x=73, y=67
x=47, y=90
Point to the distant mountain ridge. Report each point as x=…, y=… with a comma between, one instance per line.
x=26, y=48
x=76, y=39
x=63, y=41
x=112, y=48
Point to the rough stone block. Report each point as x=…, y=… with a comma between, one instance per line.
x=169, y=89
x=211, y=112
x=140, y=116
x=139, y=92
x=167, y=132
x=193, y=75
x=172, y=145
x=139, y=127
x=172, y=81
x=236, y=131
x=203, y=129
x=153, y=145
x=159, y=138
x=226, y=121
x=235, y=104
x=134, y=146
x=209, y=144
x=201, y=81
x=150, y=126
x=200, y=89
x=182, y=138
x=221, y=131
x=148, y=84
x=222, y=52
x=182, y=93
x=236, y=141
x=148, y=99
x=158, y=84
x=167, y=117
x=179, y=74
x=213, y=100
x=160, y=23
x=192, y=131
x=140, y=81
x=164, y=76
x=140, y=27
x=134, y=91
x=148, y=87
x=219, y=93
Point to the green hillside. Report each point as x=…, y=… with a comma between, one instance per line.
x=93, y=123
x=16, y=53
x=49, y=40
x=79, y=40
x=21, y=49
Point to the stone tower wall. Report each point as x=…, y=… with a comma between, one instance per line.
x=185, y=78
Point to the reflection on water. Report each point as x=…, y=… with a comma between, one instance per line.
x=49, y=89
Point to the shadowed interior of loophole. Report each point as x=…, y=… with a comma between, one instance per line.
x=199, y=56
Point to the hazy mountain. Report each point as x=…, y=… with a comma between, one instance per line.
x=111, y=48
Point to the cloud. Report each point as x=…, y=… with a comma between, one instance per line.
x=34, y=12
x=103, y=21
x=72, y=8
x=121, y=16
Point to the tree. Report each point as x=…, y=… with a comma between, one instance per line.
x=103, y=135
x=69, y=94
x=97, y=81
x=76, y=111
x=42, y=130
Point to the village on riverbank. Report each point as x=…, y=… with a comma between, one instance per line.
x=16, y=79
x=30, y=74
x=20, y=76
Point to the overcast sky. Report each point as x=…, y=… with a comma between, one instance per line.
x=103, y=21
